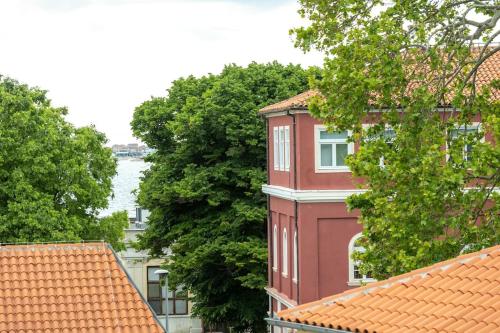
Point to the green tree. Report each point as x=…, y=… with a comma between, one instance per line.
x=204, y=186
x=54, y=178
x=431, y=178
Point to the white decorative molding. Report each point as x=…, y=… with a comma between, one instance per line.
x=309, y=195
x=283, y=299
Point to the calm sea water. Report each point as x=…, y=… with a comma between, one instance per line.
x=124, y=183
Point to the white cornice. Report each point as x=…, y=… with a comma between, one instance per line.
x=280, y=298
x=309, y=195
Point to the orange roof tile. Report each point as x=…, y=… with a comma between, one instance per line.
x=487, y=72
x=69, y=288
x=457, y=295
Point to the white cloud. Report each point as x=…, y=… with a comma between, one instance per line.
x=103, y=58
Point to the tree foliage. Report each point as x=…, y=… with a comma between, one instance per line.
x=54, y=178
x=407, y=60
x=204, y=186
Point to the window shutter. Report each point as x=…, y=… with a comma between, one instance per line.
x=276, y=148
x=287, y=148
x=282, y=148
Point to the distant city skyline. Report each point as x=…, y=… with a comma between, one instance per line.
x=101, y=59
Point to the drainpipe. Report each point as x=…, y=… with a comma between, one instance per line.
x=269, y=215
x=269, y=227
x=296, y=205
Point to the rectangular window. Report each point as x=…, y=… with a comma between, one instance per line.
x=282, y=147
x=177, y=300
x=281, y=140
x=276, y=149
x=287, y=148
x=463, y=134
x=332, y=149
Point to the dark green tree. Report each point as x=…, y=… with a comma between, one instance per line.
x=54, y=178
x=204, y=186
x=432, y=180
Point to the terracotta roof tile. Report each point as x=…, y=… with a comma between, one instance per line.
x=69, y=288
x=487, y=72
x=457, y=295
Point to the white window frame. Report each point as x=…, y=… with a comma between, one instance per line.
x=474, y=125
x=295, y=257
x=317, y=150
x=275, y=248
x=352, y=280
x=285, y=253
x=387, y=128
x=281, y=140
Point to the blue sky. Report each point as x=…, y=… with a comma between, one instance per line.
x=102, y=58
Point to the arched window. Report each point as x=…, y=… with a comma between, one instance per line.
x=355, y=276
x=295, y=257
x=275, y=248
x=285, y=253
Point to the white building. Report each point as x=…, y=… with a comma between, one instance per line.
x=141, y=268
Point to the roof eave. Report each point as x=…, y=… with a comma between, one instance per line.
x=284, y=111
x=303, y=327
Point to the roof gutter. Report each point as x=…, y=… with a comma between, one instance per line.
x=303, y=327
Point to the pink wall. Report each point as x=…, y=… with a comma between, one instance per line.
x=280, y=178
x=324, y=232
x=282, y=215
x=307, y=178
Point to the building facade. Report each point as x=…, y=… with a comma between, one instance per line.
x=311, y=232
x=141, y=268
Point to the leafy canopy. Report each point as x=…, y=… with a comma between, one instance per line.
x=204, y=186
x=432, y=183
x=54, y=178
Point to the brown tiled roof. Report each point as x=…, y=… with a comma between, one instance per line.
x=69, y=288
x=458, y=295
x=487, y=72
x=295, y=102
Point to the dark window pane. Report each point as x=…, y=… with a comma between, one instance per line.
x=151, y=274
x=324, y=135
x=170, y=306
x=340, y=154
x=156, y=305
x=181, y=307
x=154, y=290
x=326, y=154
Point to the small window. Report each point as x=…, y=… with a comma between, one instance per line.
x=295, y=257
x=332, y=149
x=275, y=248
x=464, y=133
x=276, y=149
x=285, y=253
x=177, y=300
x=355, y=276
x=287, y=148
x=282, y=147
x=281, y=140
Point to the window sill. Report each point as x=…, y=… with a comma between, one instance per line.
x=285, y=275
x=275, y=269
x=332, y=170
x=294, y=281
